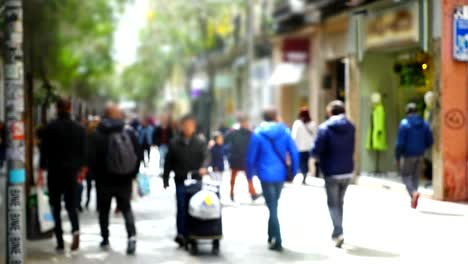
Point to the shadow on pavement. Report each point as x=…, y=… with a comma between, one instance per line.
x=441, y=213
x=367, y=252
x=291, y=255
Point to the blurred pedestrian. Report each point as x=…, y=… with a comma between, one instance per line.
x=63, y=155
x=90, y=175
x=303, y=132
x=414, y=138
x=145, y=139
x=117, y=161
x=187, y=153
x=269, y=147
x=334, y=148
x=162, y=136
x=2, y=144
x=217, y=156
x=237, y=144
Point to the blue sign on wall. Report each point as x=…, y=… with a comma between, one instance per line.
x=460, y=33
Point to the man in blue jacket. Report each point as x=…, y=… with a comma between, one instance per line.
x=414, y=138
x=269, y=146
x=334, y=148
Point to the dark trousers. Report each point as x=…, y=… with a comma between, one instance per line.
x=304, y=163
x=63, y=184
x=181, y=194
x=272, y=193
x=123, y=196
x=411, y=170
x=146, y=153
x=89, y=188
x=336, y=190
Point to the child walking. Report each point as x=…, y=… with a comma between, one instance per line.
x=217, y=156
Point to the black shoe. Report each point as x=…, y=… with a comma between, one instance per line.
x=339, y=241
x=276, y=247
x=256, y=196
x=180, y=240
x=105, y=244
x=131, y=246
x=60, y=248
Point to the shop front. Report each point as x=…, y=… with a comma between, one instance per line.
x=394, y=70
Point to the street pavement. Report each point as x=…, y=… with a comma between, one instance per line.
x=379, y=228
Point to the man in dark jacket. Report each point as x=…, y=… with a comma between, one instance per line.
x=237, y=142
x=110, y=183
x=414, y=138
x=269, y=146
x=187, y=153
x=63, y=155
x=334, y=148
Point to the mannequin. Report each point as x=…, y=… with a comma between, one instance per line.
x=377, y=136
x=428, y=116
x=429, y=100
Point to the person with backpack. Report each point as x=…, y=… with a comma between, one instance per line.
x=187, y=152
x=63, y=155
x=303, y=133
x=117, y=161
x=270, y=146
x=414, y=138
x=334, y=148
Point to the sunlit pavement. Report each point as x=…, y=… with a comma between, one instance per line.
x=379, y=228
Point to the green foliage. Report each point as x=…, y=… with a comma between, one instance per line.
x=177, y=32
x=68, y=44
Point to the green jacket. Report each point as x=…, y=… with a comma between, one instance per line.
x=377, y=136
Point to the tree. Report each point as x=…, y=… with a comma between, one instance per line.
x=178, y=33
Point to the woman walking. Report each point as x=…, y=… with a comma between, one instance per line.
x=304, y=132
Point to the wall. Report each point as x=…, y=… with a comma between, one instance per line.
x=454, y=108
x=377, y=75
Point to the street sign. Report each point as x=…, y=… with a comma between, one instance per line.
x=460, y=33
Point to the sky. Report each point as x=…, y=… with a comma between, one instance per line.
x=127, y=37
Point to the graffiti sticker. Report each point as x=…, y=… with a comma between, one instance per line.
x=455, y=119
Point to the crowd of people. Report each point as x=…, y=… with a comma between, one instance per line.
x=109, y=151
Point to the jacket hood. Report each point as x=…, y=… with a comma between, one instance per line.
x=414, y=121
x=272, y=129
x=109, y=125
x=339, y=124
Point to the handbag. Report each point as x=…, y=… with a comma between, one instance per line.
x=46, y=219
x=143, y=185
x=289, y=172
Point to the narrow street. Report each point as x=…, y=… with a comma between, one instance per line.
x=379, y=228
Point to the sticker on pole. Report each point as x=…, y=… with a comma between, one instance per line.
x=17, y=176
x=17, y=130
x=460, y=33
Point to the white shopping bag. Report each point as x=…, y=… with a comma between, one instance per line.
x=46, y=219
x=205, y=205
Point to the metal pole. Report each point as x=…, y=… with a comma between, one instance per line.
x=248, y=95
x=14, y=108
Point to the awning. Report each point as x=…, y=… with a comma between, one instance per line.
x=287, y=74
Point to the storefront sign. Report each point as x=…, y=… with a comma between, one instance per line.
x=460, y=33
x=296, y=50
x=392, y=28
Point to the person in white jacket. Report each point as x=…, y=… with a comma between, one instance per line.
x=304, y=131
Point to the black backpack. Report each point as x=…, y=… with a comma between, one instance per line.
x=121, y=156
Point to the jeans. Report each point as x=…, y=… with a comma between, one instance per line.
x=63, y=183
x=163, y=149
x=304, y=163
x=123, y=195
x=336, y=189
x=181, y=194
x=272, y=193
x=411, y=170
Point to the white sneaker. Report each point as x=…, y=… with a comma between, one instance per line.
x=339, y=241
